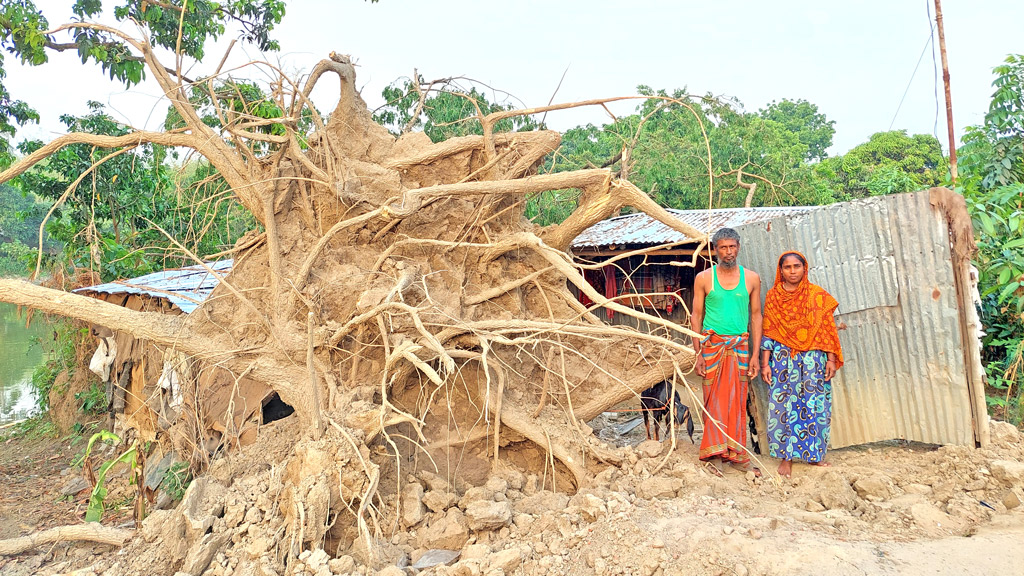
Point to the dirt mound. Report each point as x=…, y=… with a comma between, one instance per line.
x=64, y=404
x=915, y=508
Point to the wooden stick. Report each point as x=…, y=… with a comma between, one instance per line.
x=89, y=532
x=506, y=287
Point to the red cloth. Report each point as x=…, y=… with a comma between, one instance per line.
x=588, y=277
x=610, y=288
x=725, y=397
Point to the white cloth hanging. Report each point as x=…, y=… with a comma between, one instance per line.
x=103, y=358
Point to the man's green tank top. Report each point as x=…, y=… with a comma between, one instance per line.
x=727, y=312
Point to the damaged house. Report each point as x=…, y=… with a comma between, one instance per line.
x=154, y=390
x=645, y=264
x=899, y=267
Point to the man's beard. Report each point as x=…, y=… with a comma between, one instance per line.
x=724, y=264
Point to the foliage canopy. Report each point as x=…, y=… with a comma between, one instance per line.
x=25, y=33
x=992, y=180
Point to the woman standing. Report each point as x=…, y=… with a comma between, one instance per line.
x=800, y=354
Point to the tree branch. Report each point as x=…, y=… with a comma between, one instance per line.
x=561, y=262
x=64, y=47
x=600, y=202
x=413, y=200
x=216, y=150
x=461, y=144
x=159, y=328
x=134, y=139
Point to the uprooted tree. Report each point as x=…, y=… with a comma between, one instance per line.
x=395, y=285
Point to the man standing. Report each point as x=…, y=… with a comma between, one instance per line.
x=727, y=315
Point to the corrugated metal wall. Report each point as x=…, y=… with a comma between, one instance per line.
x=887, y=261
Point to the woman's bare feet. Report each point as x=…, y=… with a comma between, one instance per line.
x=822, y=464
x=786, y=469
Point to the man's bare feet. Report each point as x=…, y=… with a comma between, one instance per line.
x=786, y=469
x=712, y=467
x=746, y=467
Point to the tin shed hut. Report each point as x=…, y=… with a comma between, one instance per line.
x=899, y=267
x=645, y=258
x=156, y=390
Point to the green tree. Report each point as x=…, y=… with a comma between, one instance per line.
x=442, y=109
x=802, y=118
x=106, y=221
x=993, y=153
x=185, y=26
x=20, y=216
x=991, y=173
x=758, y=158
x=888, y=163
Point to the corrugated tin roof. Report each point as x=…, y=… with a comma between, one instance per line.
x=186, y=288
x=642, y=229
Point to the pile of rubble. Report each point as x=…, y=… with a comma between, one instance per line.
x=629, y=520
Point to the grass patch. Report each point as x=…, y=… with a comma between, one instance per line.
x=38, y=426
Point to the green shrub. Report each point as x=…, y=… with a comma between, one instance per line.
x=992, y=181
x=92, y=400
x=176, y=479
x=16, y=259
x=59, y=356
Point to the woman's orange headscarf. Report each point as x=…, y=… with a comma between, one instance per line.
x=802, y=319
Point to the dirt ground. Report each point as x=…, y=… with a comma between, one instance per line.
x=892, y=508
x=35, y=470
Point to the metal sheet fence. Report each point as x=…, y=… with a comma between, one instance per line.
x=887, y=261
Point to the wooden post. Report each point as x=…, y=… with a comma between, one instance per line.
x=949, y=101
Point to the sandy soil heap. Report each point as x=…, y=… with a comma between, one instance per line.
x=908, y=509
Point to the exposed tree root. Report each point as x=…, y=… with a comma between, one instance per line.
x=398, y=293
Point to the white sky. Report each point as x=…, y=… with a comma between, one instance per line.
x=853, y=59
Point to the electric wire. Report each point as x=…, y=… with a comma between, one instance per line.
x=930, y=40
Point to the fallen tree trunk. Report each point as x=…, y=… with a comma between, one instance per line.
x=152, y=326
x=90, y=532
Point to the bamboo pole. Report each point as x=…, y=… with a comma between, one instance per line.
x=949, y=101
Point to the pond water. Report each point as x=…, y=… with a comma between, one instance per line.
x=20, y=353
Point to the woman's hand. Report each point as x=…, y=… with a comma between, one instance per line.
x=766, y=366
x=830, y=369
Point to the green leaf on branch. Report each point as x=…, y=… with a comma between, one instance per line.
x=1008, y=290
x=1004, y=276
x=96, y=506
x=987, y=224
